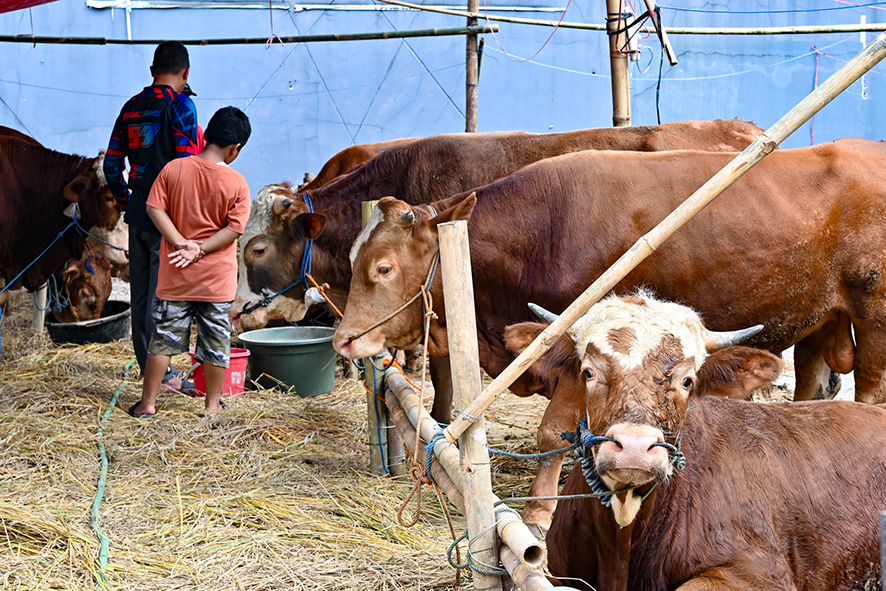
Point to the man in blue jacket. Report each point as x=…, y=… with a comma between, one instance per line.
x=154, y=127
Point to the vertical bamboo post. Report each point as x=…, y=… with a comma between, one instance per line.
x=619, y=64
x=39, y=312
x=472, y=72
x=377, y=412
x=646, y=245
x=461, y=327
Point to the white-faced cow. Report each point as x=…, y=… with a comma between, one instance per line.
x=36, y=186
x=795, y=245
x=704, y=493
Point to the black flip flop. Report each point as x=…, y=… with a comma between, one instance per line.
x=139, y=415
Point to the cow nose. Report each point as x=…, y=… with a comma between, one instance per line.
x=342, y=343
x=635, y=449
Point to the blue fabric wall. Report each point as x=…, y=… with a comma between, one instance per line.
x=308, y=101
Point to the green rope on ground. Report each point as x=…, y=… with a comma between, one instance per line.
x=104, y=543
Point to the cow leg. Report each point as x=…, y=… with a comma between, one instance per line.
x=562, y=414
x=814, y=379
x=441, y=377
x=752, y=570
x=870, y=362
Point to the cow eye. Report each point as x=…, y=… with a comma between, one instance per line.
x=384, y=269
x=589, y=374
x=687, y=382
x=258, y=251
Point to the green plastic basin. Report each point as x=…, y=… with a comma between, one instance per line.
x=295, y=358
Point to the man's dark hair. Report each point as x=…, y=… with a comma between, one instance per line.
x=170, y=57
x=228, y=126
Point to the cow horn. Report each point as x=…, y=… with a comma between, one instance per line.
x=545, y=315
x=407, y=219
x=719, y=340
x=281, y=204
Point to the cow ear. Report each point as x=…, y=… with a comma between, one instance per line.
x=71, y=272
x=103, y=261
x=737, y=372
x=457, y=209
x=308, y=224
x=558, y=359
x=77, y=189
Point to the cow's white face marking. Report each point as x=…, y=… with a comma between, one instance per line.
x=376, y=218
x=650, y=320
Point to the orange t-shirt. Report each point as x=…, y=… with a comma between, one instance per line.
x=201, y=198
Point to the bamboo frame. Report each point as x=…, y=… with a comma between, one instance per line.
x=800, y=30
x=512, y=531
x=646, y=245
x=35, y=39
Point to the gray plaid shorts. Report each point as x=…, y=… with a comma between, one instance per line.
x=172, y=330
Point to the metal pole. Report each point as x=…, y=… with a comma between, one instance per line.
x=39, y=312
x=882, y=550
x=618, y=60
x=377, y=412
x=461, y=327
x=647, y=244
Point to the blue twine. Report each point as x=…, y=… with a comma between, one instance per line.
x=430, y=448
x=8, y=285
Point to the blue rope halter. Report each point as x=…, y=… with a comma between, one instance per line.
x=302, y=280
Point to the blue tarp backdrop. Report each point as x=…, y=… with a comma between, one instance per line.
x=308, y=101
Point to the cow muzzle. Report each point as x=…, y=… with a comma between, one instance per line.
x=633, y=456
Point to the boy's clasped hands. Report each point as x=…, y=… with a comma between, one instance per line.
x=188, y=251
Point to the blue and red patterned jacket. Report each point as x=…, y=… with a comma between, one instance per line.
x=154, y=127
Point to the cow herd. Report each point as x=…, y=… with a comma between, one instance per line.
x=694, y=486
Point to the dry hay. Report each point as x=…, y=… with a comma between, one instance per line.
x=274, y=493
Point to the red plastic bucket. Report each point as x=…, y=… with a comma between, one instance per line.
x=235, y=377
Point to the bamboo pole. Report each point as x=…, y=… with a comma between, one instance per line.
x=407, y=432
x=35, y=39
x=472, y=72
x=461, y=329
x=618, y=63
x=39, y=309
x=662, y=32
x=512, y=531
x=646, y=245
x=798, y=30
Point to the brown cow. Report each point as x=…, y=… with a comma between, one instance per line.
x=772, y=496
x=36, y=186
x=421, y=171
x=85, y=286
x=347, y=161
x=795, y=244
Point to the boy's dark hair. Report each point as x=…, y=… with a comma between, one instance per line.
x=228, y=126
x=170, y=57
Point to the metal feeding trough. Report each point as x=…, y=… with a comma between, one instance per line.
x=112, y=326
x=296, y=357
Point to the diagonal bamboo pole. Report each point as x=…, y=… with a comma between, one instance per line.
x=646, y=245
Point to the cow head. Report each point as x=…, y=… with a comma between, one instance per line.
x=262, y=240
x=637, y=362
x=88, y=285
x=390, y=260
x=89, y=189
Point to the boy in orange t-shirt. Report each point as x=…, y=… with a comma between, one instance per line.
x=203, y=199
